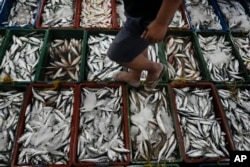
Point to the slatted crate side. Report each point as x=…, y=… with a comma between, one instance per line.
x=5, y=11
x=218, y=113
x=22, y=121
x=99, y=85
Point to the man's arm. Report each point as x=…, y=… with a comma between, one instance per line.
x=157, y=29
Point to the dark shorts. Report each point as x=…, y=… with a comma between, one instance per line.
x=128, y=43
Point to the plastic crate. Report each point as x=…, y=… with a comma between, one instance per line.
x=24, y=33
x=196, y=54
x=62, y=34
x=219, y=115
x=217, y=13
x=113, y=25
x=242, y=69
x=7, y=5
x=22, y=122
x=124, y=124
x=13, y=128
x=177, y=152
x=39, y=20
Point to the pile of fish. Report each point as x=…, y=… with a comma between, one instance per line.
x=99, y=65
x=58, y=13
x=96, y=14
x=234, y=15
x=243, y=46
x=180, y=56
x=22, y=13
x=21, y=59
x=178, y=20
x=10, y=107
x=121, y=18
x=201, y=130
x=46, y=136
x=101, y=136
x=65, y=59
x=220, y=59
x=202, y=15
x=236, y=105
x=152, y=131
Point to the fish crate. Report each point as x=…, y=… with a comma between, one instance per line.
x=190, y=126
x=213, y=164
x=216, y=12
x=98, y=65
x=241, y=20
x=49, y=110
x=43, y=11
x=10, y=113
x=221, y=69
x=241, y=43
x=63, y=57
x=7, y=11
x=94, y=26
x=110, y=115
x=152, y=104
x=169, y=49
x=18, y=43
x=234, y=101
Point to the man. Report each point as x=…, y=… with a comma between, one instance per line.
x=147, y=23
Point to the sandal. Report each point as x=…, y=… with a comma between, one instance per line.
x=116, y=77
x=150, y=85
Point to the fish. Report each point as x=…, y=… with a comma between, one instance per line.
x=100, y=125
x=178, y=20
x=202, y=15
x=22, y=56
x=46, y=136
x=96, y=14
x=58, y=13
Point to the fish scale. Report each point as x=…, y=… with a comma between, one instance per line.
x=202, y=15
x=198, y=128
x=22, y=13
x=95, y=14
x=222, y=62
x=47, y=138
x=9, y=115
x=236, y=105
x=99, y=65
x=100, y=128
x=151, y=131
x=22, y=56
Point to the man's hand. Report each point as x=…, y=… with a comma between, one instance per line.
x=155, y=32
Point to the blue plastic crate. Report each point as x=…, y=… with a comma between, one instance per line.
x=5, y=12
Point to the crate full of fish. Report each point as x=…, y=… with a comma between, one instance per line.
x=204, y=16
x=222, y=62
x=46, y=126
x=57, y=14
x=153, y=135
x=20, y=14
x=241, y=42
x=99, y=14
x=236, y=104
x=63, y=58
x=101, y=136
x=11, y=102
x=235, y=14
x=98, y=65
x=20, y=55
x=182, y=57
x=201, y=123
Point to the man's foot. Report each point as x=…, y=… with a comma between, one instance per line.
x=153, y=80
x=126, y=77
